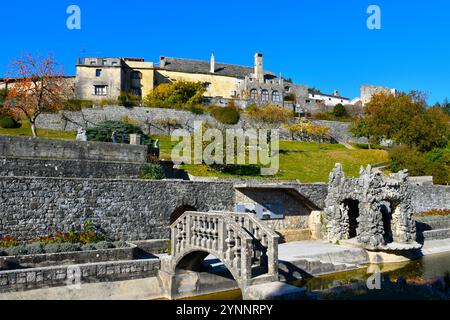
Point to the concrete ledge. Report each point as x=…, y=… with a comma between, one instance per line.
x=275, y=291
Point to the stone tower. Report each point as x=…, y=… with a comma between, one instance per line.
x=259, y=71
x=213, y=64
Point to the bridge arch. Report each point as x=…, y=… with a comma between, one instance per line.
x=246, y=247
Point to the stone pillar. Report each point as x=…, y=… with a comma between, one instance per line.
x=135, y=139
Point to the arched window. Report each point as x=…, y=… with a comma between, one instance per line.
x=254, y=94
x=264, y=95
x=276, y=96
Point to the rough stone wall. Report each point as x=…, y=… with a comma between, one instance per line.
x=340, y=131
x=426, y=198
x=26, y=147
x=377, y=197
x=26, y=167
x=124, y=209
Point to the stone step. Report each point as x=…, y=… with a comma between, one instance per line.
x=304, y=268
x=437, y=234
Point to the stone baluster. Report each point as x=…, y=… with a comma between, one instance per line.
x=237, y=256
x=230, y=241
x=215, y=234
x=203, y=232
x=208, y=233
x=194, y=231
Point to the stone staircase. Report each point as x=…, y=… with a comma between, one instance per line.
x=433, y=228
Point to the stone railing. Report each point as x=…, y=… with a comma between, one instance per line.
x=247, y=247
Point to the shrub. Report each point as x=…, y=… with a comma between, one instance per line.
x=270, y=115
x=103, y=245
x=88, y=247
x=52, y=248
x=70, y=247
x=339, y=111
x=18, y=250
x=8, y=122
x=103, y=131
x=152, y=171
x=77, y=105
x=128, y=99
x=323, y=116
x=175, y=95
x=8, y=242
x=35, y=248
x=239, y=170
x=3, y=252
x=196, y=109
x=226, y=115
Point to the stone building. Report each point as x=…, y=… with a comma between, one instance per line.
x=367, y=91
x=107, y=78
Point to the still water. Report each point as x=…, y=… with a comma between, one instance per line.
x=420, y=271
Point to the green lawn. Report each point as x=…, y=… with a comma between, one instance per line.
x=306, y=161
x=25, y=130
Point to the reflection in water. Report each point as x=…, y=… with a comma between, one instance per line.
x=427, y=269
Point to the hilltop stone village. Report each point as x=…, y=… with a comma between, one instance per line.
x=76, y=214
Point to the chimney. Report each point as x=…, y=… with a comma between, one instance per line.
x=162, y=62
x=336, y=93
x=213, y=64
x=259, y=73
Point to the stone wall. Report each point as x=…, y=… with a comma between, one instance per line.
x=340, y=131
x=124, y=209
x=36, y=278
x=24, y=167
x=426, y=198
x=26, y=147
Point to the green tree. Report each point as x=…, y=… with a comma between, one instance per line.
x=360, y=129
x=178, y=94
x=339, y=111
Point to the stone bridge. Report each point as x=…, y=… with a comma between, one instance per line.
x=246, y=247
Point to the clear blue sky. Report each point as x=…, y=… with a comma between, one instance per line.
x=321, y=43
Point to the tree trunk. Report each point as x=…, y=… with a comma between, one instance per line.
x=33, y=129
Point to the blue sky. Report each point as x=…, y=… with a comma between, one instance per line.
x=321, y=43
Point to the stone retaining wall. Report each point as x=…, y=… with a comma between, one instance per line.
x=124, y=209
x=36, y=278
x=426, y=198
x=26, y=147
x=28, y=167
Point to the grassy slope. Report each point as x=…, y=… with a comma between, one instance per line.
x=308, y=162
x=25, y=130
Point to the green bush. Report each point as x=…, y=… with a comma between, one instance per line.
x=339, y=111
x=87, y=247
x=52, y=248
x=103, y=131
x=18, y=250
x=152, y=171
x=195, y=109
x=103, y=245
x=3, y=252
x=77, y=105
x=175, y=95
x=70, y=247
x=8, y=122
x=226, y=115
x=128, y=100
x=35, y=248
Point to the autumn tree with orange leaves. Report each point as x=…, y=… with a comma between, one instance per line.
x=36, y=86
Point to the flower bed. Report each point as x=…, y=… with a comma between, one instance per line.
x=432, y=213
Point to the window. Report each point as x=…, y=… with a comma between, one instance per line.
x=276, y=96
x=114, y=63
x=265, y=95
x=98, y=73
x=105, y=61
x=254, y=94
x=136, y=75
x=100, y=90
